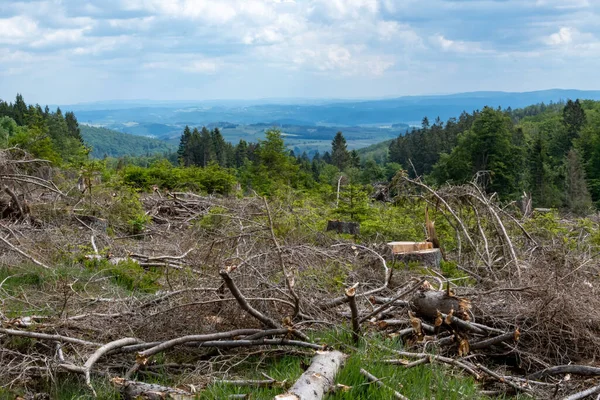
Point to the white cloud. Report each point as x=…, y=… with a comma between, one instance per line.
x=457, y=46
x=188, y=63
x=562, y=37
x=17, y=29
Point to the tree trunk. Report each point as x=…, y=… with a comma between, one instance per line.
x=352, y=228
x=316, y=381
x=427, y=257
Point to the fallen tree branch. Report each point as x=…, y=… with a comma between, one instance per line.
x=21, y=252
x=503, y=379
x=45, y=336
x=482, y=344
x=392, y=301
x=583, y=370
x=139, y=390
x=584, y=393
x=372, y=378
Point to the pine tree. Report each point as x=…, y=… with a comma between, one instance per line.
x=73, y=126
x=19, y=110
x=340, y=157
x=220, y=147
x=184, y=142
x=206, y=153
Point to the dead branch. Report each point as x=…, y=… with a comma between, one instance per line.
x=21, y=252
x=372, y=378
x=139, y=390
x=44, y=336
x=392, y=301
x=503, y=379
x=350, y=293
x=582, y=370
x=584, y=393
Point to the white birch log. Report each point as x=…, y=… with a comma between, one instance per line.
x=317, y=380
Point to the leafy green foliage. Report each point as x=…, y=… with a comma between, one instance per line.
x=108, y=143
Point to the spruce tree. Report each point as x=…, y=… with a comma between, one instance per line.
x=340, y=157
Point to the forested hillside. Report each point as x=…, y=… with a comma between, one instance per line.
x=551, y=152
x=108, y=143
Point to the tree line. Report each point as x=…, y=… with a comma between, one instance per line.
x=47, y=134
x=549, y=152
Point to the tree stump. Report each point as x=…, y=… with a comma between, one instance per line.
x=427, y=257
x=352, y=228
x=428, y=303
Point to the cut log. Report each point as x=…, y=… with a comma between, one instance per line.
x=427, y=304
x=352, y=228
x=132, y=390
x=426, y=257
x=318, y=379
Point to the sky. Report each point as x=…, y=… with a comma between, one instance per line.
x=71, y=51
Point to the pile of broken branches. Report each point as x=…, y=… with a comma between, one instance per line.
x=235, y=286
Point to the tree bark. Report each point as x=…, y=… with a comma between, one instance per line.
x=428, y=303
x=426, y=257
x=316, y=381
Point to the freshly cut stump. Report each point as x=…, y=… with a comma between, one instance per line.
x=316, y=381
x=427, y=257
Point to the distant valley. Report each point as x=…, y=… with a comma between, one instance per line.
x=307, y=125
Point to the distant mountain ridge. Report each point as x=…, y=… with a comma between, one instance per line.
x=407, y=109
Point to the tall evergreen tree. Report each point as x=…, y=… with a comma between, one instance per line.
x=340, y=157
x=184, y=142
x=73, y=126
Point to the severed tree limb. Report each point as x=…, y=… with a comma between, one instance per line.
x=482, y=344
x=253, y=383
x=87, y=367
x=249, y=309
x=372, y=378
x=45, y=336
x=468, y=367
x=392, y=301
x=350, y=293
x=583, y=394
x=317, y=380
x=143, y=355
x=583, y=370
x=503, y=379
x=139, y=390
x=21, y=252
x=243, y=303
